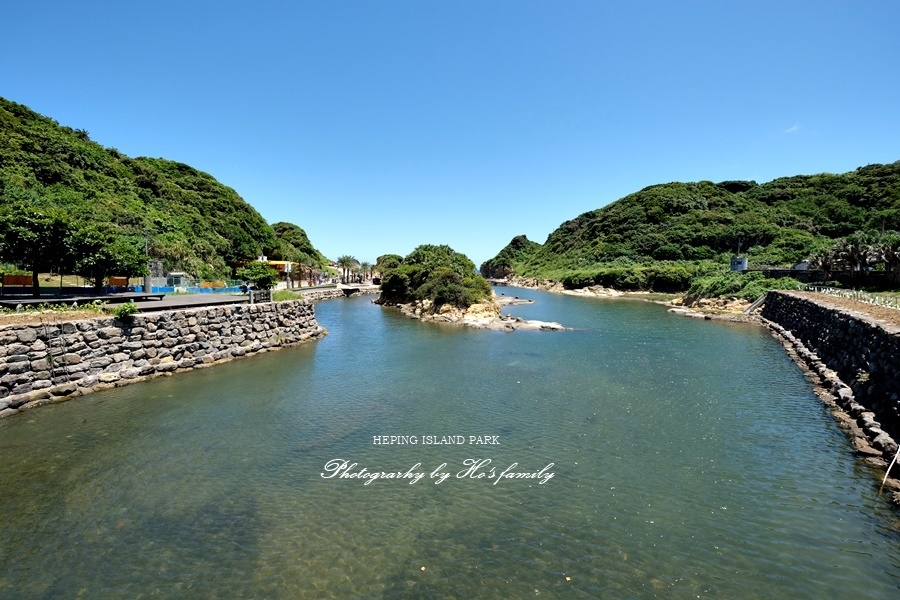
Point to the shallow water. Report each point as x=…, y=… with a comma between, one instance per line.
x=689, y=459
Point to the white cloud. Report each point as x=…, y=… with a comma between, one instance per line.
x=793, y=128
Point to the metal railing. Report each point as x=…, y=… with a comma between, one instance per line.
x=868, y=298
x=259, y=296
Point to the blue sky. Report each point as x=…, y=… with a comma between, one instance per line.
x=379, y=126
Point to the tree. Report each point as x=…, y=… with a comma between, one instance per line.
x=386, y=262
x=100, y=251
x=304, y=260
x=431, y=256
x=365, y=268
x=34, y=237
x=346, y=263
x=857, y=251
x=259, y=274
x=888, y=250
x=435, y=273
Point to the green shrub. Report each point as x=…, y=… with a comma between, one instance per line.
x=124, y=312
x=671, y=277
x=259, y=274
x=399, y=284
x=445, y=286
x=284, y=295
x=744, y=286
x=478, y=287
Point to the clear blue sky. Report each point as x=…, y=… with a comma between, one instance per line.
x=381, y=125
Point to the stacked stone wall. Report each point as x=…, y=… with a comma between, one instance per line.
x=54, y=360
x=857, y=358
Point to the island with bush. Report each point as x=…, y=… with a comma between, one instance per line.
x=436, y=283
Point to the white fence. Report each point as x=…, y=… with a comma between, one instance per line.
x=876, y=299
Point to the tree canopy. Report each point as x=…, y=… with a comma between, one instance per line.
x=435, y=273
x=53, y=177
x=260, y=275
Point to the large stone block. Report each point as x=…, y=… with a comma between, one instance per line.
x=17, y=350
x=26, y=335
x=18, y=367
x=101, y=362
x=109, y=332
x=64, y=389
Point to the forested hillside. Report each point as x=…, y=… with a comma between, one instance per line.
x=684, y=226
x=66, y=200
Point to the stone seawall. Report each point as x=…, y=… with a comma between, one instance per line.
x=55, y=360
x=856, y=358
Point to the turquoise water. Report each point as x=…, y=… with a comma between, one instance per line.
x=688, y=459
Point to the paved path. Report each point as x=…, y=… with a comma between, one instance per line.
x=168, y=302
x=175, y=301
x=881, y=313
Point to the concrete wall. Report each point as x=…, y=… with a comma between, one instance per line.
x=856, y=358
x=55, y=360
x=328, y=294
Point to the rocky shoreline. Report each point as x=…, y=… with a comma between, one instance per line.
x=709, y=309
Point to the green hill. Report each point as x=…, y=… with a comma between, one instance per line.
x=689, y=225
x=55, y=182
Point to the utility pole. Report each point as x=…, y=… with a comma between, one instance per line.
x=148, y=278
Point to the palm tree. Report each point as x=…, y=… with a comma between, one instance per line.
x=366, y=269
x=859, y=249
x=346, y=264
x=887, y=249
x=825, y=261
x=304, y=260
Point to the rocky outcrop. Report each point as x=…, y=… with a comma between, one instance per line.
x=484, y=315
x=728, y=305
x=547, y=285
x=56, y=360
x=594, y=291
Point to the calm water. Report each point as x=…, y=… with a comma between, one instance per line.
x=689, y=459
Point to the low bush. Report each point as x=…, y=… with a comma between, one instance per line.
x=124, y=312
x=732, y=284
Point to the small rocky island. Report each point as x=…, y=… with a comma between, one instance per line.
x=482, y=315
x=436, y=283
